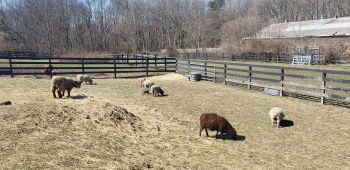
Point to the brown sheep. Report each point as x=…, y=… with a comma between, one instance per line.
x=62, y=84
x=216, y=122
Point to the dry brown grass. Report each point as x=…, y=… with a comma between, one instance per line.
x=39, y=132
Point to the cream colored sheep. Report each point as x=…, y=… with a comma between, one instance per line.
x=62, y=84
x=146, y=83
x=276, y=115
x=156, y=90
x=84, y=78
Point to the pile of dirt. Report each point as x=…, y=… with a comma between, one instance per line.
x=120, y=116
x=39, y=117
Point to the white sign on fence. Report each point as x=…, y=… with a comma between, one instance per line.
x=302, y=60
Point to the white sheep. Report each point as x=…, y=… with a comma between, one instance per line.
x=146, y=83
x=62, y=84
x=84, y=78
x=276, y=115
x=156, y=90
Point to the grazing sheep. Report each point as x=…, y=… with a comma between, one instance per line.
x=62, y=84
x=213, y=121
x=156, y=90
x=146, y=83
x=84, y=78
x=276, y=115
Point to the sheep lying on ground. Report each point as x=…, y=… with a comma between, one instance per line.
x=276, y=115
x=84, y=78
x=146, y=83
x=156, y=90
x=216, y=122
x=62, y=84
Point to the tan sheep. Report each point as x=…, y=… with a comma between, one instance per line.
x=62, y=84
x=276, y=114
x=84, y=78
x=146, y=83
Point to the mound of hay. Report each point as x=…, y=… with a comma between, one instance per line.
x=118, y=115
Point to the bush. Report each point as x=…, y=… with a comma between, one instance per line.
x=334, y=55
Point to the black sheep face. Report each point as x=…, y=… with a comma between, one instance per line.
x=161, y=92
x=76, y=84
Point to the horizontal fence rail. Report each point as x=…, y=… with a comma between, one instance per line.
x=323, y=84
x=58, y=66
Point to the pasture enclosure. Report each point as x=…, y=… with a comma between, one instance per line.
x=324, y=85
x=91, y=130
x=114, y=65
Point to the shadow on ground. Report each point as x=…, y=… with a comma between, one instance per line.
x=226, y=137
x=286, y=123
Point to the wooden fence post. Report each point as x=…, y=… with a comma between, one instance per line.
x=115, y=67
x=225, y=71
x=165, y=63
x=189, y=66
x=82, y=65
x=10, y=62
x=155, y=62
x=282, y=79
x=323, y=90
x=135, y=56
x=214, y=74
x=249, y=76
x=176, y=65
x=205, y=69
x=147, y=67
x=50, y=68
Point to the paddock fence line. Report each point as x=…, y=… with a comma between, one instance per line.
x=118, y=63
x=329, y=86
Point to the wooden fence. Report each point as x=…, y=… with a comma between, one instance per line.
x=322, y=84
x=60, y=66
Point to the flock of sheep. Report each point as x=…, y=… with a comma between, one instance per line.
x=211, y=121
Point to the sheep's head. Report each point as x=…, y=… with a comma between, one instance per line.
x=142, y=80
x=90, y=81
x=76, y=84
x=232, y=132
x=161, y=92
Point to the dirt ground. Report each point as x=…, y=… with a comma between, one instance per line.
x=111, y=125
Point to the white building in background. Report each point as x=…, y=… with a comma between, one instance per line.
x=332, y=27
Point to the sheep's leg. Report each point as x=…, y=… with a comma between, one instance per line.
x=63, y=92
x=200, y=131
x=59, y=93
x=278, y=123
x=54, y=92
x=217, y=132
x=273, y=122
x=68, y=91
x=206, y=131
